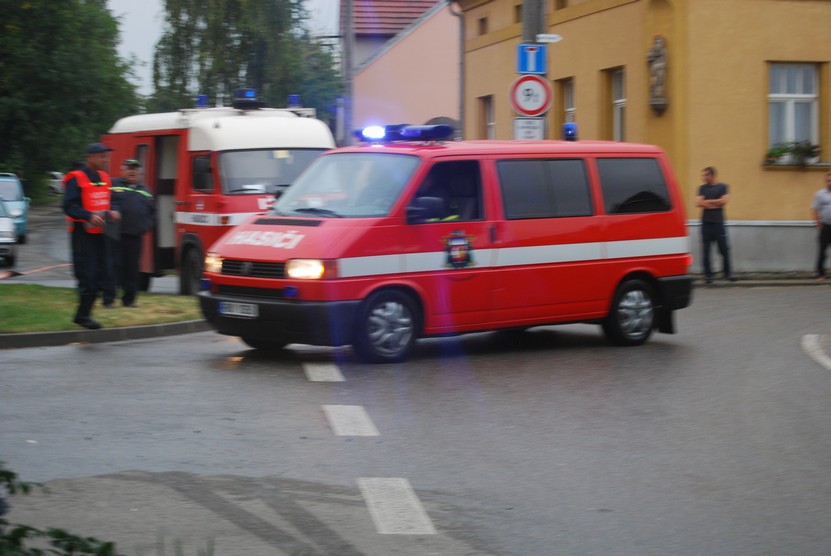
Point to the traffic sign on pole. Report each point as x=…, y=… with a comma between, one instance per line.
x=530, y=95
x=532, y=58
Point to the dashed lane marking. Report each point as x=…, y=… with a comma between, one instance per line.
x=812, y=344
x=323, y=372
x=395, y=508
x=350, y=420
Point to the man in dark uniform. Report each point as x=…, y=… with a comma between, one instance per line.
x=88, y=208
x=712, y=197
x=138, y=215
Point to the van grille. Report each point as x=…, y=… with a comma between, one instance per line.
x=255, y=293
x=254, y=269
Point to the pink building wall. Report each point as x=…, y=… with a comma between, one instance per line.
x=415, y=80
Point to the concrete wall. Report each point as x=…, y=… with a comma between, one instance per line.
x=783, y=246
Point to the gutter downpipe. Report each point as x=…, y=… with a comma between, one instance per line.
x=450, y=5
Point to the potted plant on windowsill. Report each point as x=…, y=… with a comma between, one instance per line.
x=803, y=152
x=777, y=154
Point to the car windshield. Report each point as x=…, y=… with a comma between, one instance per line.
x=263, y=171
x=10, y=190
x=349, y=185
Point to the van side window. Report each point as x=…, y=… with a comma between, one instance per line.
x=458, y=187
x=544, y=188
x=202, y=180
x=632, y=185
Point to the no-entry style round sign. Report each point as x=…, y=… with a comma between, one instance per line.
x=531, y=95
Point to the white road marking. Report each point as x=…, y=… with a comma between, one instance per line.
x=395, y=508
x=350, y=420
x=812, y=344
x=323, y=372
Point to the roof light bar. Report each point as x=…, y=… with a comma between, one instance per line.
x=405, y=132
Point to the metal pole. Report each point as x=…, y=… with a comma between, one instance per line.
x=533, y=19
x=348, y=64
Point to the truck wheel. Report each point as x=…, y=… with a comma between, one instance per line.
x=264, y=345
x=21, y=239
x=632, y=316
x=191, y=272
x=10, y=260
x=385, y=330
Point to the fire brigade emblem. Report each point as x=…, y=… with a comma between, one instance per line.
x=459, y=250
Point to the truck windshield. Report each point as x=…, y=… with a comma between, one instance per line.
x=262, y=171
x=354, y=185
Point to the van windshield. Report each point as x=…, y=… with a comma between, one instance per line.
x=10, y=190
x=262, y=171
x=354, y=185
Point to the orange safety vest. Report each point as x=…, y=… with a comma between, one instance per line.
x=95, y=196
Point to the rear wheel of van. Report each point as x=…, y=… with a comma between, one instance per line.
x=632, y=316
x=264, y=345
x=191, y=272
x=385, y=330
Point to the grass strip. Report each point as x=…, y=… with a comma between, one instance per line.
x=36, y=308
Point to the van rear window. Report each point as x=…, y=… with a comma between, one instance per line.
x=544, y=188
x=633, y=185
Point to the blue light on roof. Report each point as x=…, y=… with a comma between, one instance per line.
x=570, y=132
x=405, y=132
x=201, y=101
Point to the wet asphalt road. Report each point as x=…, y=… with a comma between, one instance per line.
x=711, y=441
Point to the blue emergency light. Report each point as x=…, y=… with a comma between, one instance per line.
x=570, y=132
x=201, y=101
x=294, y=101
x=245, y=99
x=404, y=132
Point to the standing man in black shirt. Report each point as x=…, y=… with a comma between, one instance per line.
x=712, y=196
x=138, y=216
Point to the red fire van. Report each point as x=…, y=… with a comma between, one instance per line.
x=210, y=169
x=380, y=244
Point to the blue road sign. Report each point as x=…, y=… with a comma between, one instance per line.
x=532, y=58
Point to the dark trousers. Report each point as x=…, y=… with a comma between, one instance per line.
x=715, y=232
x=126, y=255
x=824, y=241
x=93, y=269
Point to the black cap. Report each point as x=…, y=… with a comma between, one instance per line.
x=132, y=163
x=94, y=148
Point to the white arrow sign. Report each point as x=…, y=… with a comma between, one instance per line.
x=549, y=38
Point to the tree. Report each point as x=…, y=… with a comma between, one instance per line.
x=62, y=83
x=213, y=48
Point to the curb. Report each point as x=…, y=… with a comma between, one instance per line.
x=103, y=335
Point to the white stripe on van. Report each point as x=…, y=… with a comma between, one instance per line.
x=355, y=267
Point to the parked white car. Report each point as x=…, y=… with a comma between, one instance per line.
x=56, y=183
x=8, y=237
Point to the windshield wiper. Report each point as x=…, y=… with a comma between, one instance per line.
x=320, y=212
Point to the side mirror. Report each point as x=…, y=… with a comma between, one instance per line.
x=423, y=209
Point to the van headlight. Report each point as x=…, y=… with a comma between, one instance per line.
x=16, y=213
x=310, y=269
x=213, y=263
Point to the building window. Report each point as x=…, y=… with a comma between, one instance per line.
x=560, y=4
x=618, y=104
x=483, y=25
x=567, y=90
x=487, y=127
x=518, y=13
x=793, y=112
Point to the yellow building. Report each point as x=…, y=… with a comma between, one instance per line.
x=735, y=77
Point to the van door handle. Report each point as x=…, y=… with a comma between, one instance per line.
x=492, y=232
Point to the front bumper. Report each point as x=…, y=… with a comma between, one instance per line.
x=322, y=323
x=8, y=249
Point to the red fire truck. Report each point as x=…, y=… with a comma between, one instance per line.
x=209, y=170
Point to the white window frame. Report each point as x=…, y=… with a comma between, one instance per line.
x=618, y=83
x=569, y=111
x=792, y=86
x=488, y=114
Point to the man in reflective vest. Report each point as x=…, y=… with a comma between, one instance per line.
x=87, y=205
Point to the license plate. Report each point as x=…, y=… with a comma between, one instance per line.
x=232, y=309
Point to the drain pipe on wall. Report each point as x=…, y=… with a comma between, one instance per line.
x=452, y=4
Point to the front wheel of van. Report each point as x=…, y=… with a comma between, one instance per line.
x=386, y=326
x=632, y=316
x=191, y=272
